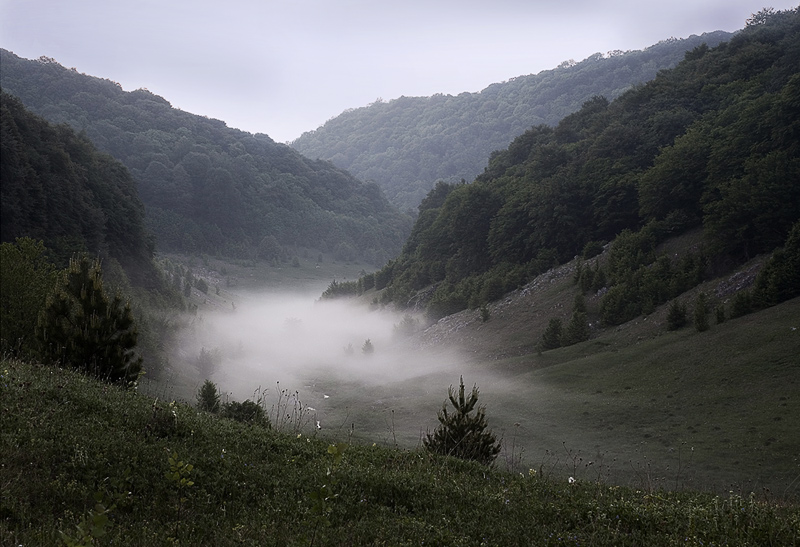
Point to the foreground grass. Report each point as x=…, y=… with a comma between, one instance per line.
x=67, y=442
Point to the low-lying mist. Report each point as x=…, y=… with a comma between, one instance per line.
x=357, y=369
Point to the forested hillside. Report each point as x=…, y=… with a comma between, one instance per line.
x=406, y=145
x=712, y=143
x=58, y=188
x=207, y=187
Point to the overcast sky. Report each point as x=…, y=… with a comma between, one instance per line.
x=282, y=67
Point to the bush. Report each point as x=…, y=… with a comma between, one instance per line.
x=779, y=280
x=247, y=412
x=407, y=327
x=592, y=249
x=577, y=329
x=676, y=316
x=620, y=304
x=202, y=285
x=551, y=338
x=463, y=435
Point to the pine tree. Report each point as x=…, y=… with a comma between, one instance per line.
x=367, y=348
x=208, y=397
x=463, y=434
x=551, y=338
x=577, y=329
x=676, y=315
x=82, y=328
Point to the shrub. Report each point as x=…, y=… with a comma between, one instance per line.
x=742, y=304
x=463, y=434
x=202, y=285
x=620, y=304
x=551, y=338
x=339, y=289
x=407, y=327
x=779, y=280
x=577, y=329
x=446, y=300
x=676, y=316
x=592, y=249
x=247, y=412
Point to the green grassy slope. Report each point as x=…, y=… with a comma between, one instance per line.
x=68, y=441
x=713, y=410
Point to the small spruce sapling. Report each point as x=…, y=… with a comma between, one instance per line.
x=208, y=397
x=463, y=434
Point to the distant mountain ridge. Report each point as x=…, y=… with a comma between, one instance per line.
x=407, y=144
x=712, y=144
x=209, y=188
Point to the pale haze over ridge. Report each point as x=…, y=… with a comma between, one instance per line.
x=285, y=67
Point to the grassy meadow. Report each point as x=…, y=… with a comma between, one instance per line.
x=89, y=464
x=638, y=436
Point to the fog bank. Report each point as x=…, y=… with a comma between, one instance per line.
x=326, y=350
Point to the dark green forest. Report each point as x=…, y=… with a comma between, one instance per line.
x=713, y=144
x=209, y=188
x=407, y=144
x=58, y=188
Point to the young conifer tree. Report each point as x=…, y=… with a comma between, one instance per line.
x=83, y=328
x=463, y=434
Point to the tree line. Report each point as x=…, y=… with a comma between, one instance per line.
x=407, y=144
x=711, y=144
x=210, y=188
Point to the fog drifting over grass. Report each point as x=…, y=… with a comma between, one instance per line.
x=315, y=347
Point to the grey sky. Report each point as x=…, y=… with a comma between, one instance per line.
x=282, y=67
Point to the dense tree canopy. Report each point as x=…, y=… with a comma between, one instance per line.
x=207, y=187
x=713, y=142
x=406, y=145
x=58, y=188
